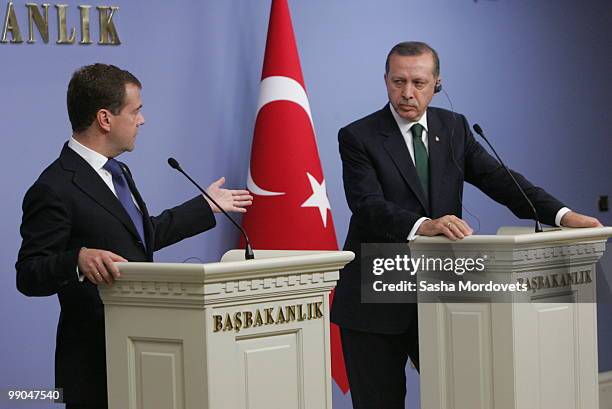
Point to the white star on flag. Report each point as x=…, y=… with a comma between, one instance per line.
x=319, y=198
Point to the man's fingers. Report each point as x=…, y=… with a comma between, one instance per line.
x=97, y=278
x=243, y=198
x=242, y=193
x=109, y=263
x=450, y=226
x=116, y=257
x=93, y=276
x=453, y=227
x=448, y=232
x=465, y=229
x=460, y=224
x=101, y=266
x=219, y=182
x=243, y=203
x=229, y=200
x=445, y=226
x=456, y=229
x=100, y=278
x=573, y=219
x=113, y=258
x=592, y=222
x=88, y=267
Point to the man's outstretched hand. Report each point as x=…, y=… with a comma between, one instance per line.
x=230, y=200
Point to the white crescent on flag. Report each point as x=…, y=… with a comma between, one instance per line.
x=277, y=88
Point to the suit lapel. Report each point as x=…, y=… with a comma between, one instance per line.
x=438, y=139
x=86, y=179
x=395, y=145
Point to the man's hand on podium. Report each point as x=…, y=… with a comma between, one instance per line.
x=573, y=219
x=451, y=226
x=98, y=265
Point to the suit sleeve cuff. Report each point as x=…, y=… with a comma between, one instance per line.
x=412, y=235
x=80, y=276
x=560, y=215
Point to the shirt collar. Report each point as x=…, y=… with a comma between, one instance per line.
x=405, y=125
x=96, y=160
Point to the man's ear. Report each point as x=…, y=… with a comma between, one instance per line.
x=103, y=118
x=438, y=85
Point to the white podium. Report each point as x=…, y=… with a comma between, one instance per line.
x=233, y=334
x=538, y=351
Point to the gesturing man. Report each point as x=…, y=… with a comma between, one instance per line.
x=84, y=213
x=403, y=169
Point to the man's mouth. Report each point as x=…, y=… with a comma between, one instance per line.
x=406, y=106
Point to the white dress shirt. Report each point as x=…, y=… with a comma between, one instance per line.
x=96, y=161
x=404, y=126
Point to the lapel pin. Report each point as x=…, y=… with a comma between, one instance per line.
x=437, y=139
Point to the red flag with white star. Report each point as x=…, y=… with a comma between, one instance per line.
x=290, y=208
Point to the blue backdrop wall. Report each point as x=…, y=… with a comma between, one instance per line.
x=535, y=75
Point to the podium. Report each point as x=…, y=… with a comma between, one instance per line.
x=537, y=351
x=232, y=334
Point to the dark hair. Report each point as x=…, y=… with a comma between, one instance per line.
x=412, y=48
x=94, y=87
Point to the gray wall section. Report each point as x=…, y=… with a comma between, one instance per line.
x=535, y=75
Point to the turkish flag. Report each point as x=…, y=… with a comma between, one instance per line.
x=290, y=208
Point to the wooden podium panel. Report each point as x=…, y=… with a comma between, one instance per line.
x=273, y=365
x=234, y=334
x=538, y=351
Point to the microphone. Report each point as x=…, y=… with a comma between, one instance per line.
x=538, y=226
x=248, y=252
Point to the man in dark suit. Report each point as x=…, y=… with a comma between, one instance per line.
x=403, y=170
x=84, y=213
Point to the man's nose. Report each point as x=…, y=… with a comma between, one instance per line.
x=142, y=120
x=407, y=91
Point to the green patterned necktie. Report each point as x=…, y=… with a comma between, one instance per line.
x=421, y=160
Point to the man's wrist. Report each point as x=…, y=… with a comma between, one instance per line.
x=562, y=212
x=413, y=232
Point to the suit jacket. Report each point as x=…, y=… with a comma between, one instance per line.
x=70, y=207
x=386, y=198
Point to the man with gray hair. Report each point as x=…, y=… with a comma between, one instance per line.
x=403, y=169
